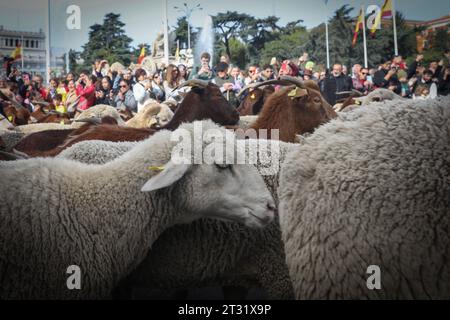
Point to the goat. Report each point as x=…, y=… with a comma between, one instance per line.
x=294, y=110
x=36, y=144
x=17, y=115
x=204, y=101
x=254, y=101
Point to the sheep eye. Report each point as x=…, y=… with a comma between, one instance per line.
x=317, y=100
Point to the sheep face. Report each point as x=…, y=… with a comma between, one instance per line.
x=254, y=101
x=224, y=192
x=212, y=105
x=309, y=108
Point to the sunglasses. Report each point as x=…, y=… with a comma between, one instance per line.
x=364, y=73
x=123, y=86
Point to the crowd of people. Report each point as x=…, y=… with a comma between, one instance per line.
x=132, y=90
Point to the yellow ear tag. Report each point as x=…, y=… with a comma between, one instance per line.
x=155, y=168
x=297, y=93
x=62, y=122
x=253, y=96
x=10, y=118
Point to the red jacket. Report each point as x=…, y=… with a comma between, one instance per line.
x=87, y=96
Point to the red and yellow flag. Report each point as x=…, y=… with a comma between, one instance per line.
x=359, y=26
x=17, y=53
x=141, y=56
x=386, y=12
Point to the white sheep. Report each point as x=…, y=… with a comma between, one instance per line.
x=368, y=194
x=151, y=115
x=56, y=213
x=100, y=111
x=210, y=253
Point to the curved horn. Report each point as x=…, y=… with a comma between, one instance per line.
x=255, y=85
x=192, y=83
x=294, y=80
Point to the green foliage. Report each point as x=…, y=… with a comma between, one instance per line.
x=379, y=48
x=181, y=34
x=108, y=41
x=288, y=46
x=441, y=40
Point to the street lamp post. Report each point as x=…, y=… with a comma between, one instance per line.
x=188, y=11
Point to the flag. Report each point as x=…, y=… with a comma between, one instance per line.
x=359, y=26
x=17, y=53
x=141, y=56
x=386, y=12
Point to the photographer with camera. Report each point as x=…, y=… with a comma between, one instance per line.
x=204, y=72
x=103, y=93
x=387, y=77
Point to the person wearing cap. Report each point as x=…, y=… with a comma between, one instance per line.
x=226, y=83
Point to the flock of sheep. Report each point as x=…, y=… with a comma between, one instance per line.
x=367, y=187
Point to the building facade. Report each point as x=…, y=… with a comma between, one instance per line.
x=33, y=51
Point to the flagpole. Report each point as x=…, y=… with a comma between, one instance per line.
x=47, y=44
x=21, y=50
x=364, y=37
x=166, y=33
x=395, y=28
x=328, y=48
x=326, y=35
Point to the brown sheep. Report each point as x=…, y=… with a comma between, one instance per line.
x=294, y=110
x=17, y=116
x=36, y=144
x=254, y=101
x=204, y=101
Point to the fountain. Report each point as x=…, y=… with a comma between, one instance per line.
x=205, y=42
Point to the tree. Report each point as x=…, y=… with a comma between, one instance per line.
x=441, y=40
x=181, y=34
x=341, y=28
x=229, y=25
x=108, y=41
x=288, y=46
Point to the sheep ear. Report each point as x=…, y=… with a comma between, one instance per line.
x=298, y=93
x=169, y=175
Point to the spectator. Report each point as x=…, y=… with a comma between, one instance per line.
x=237, y=77
x=59, y=104
x=444, y=82
x=171, y=82
x=336, y=82
x=387, y=78
x=252, y=75
x=98, y=67
x=141, y=89
x=103, y=92
x=86, y=90
x=52, y=90
x=424, y=81
x=183, y=73
x=226, y=83
x=288, y=69
x=72, y=97
x=38, y=82
x=62, y=90
x=267, y=73
x=204, y=72
x=361, y=83
x=157, y=87
x=125, y=98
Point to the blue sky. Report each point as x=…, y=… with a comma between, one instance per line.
x=143, y=18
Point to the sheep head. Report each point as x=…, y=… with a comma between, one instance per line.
x=296, y=109
x=254, y=100
x=203, y=101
